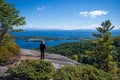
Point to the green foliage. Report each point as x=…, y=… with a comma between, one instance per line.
x=102, y=54
x=33, y=70
x=86, y=59
x=12, y=47
x=75, y=57
x=84, y=72
x=1, y=1
x=9, y=17
x=81, y=48
x=5, y=54
x=68, y=49
x=8, y=49
x=117, y=41
x=116, y=52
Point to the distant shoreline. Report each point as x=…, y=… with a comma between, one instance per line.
x=61, y=29
x=31, y=39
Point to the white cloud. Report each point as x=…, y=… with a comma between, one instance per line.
x=93, y=14
x=97, y=13
x=84, y=13
x=40, y=8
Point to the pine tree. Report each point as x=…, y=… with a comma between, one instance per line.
x=9, y=17
x=102, y=55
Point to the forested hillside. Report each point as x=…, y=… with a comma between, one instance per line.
x=102, y=53
x=79, y=49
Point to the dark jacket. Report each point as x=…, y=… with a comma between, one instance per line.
x=42, y=47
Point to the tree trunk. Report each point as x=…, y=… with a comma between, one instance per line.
x=3, y=32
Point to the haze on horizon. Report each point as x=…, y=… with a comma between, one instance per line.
x=67, y=14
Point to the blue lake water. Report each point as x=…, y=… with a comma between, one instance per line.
x=55, y=33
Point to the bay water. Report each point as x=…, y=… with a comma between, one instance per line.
x=83, y=34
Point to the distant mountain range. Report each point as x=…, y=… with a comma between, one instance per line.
x=62, y=29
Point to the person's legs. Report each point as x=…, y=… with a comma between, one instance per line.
x=41, y=55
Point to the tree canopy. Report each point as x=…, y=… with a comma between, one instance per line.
x=9, y=18
x=102, y=55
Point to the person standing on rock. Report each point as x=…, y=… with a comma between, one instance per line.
x=42, y=49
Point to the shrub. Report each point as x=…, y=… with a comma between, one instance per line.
x=33, y=70
x=75, y=57
x=5, y=54
x=8, y=49
x=12, y=47
x=9, y=43
x=85, y=72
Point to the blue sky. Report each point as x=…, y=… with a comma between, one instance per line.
x=67, y=14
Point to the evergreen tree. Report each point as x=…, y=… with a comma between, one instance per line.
x=9, y=17
x=102, y=55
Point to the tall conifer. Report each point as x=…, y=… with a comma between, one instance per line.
x=102, y=55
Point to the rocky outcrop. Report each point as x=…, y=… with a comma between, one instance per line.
x=57, y=60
